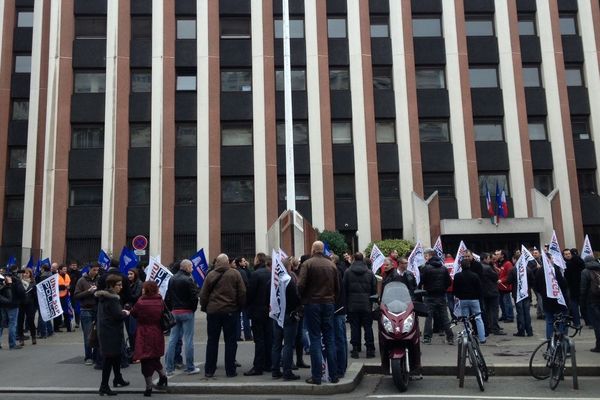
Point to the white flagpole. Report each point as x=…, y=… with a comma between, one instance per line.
x=289, y=130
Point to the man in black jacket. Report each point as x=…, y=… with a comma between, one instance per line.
x=125, y=293
x=491, y=296
x=534, y=265
x=11, y=309
x=182, y=300
x=523, y=306
x=258, y=302
x=575, y=267
x=551, y=305
x=359, y=284
x=467, y=288
x=435, y=279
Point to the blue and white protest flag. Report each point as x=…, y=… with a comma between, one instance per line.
x=460, y=254
x=200, y=267
x=377, y=259
x=556, y=254
x=127, y=260
x=552, y=289
x=30, y=262
x=326, y=250
x=415, y=260
x=279, y=281
x=159, y=274
x=11, y=261
x=85, y=269
x=104, y=260
x=587, y=248
x=521, y=267
x=439, y=250
x=48, y=298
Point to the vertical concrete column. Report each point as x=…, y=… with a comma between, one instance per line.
x=559, y=122
x=466, y=180
x=515, y=112
x=55, y=198
x=35, y=129
x=203, y=126
x=319, y=115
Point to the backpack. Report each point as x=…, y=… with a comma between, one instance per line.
x=595, y=284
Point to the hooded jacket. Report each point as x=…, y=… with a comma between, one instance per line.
x=110, y=322
x=223, y=290
x=259, y=293
x=586, y=297
x=435, y=277
x=359, y=284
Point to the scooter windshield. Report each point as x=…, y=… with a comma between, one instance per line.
x=396, y=297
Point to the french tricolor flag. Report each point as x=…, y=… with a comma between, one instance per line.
x=503, y=205
x=488, y=204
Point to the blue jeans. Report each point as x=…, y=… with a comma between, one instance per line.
x=214, y=323
x=471, y=307
x=246, y=327
x=184, y=328
x=87, y=318
x=319, y=322
x=506, y=307
x=549, y=325
x=13, y=316
x=341, y=344
x=524, y=316
x=287, y=337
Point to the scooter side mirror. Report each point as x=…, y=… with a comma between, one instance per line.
x=420, y=308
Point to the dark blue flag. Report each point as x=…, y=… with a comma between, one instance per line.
x=127, y=260
x=85, y=269
x=326, y=250
x=104, y=260
x=200, y=267
x=30, y=263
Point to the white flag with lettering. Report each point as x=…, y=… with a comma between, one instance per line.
x=377, y=258
x=462, y=247
x=521, y=267
x=552, y=289
x=156, y=272
x=279, y=281
x=587, y=248
x=556, y=253
x=415, y=260
x=48, y=298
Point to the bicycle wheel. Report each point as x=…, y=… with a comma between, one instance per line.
x=538, y=363
x=475, y=365
x=480, y=361
x=462, y=361
x=557, y=366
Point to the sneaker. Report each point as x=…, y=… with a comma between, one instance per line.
x=195, y=371
x=481, y=342
x=370, y=353
x=427, y=340
x=88, y=361
x=354, y=354
x=291, y=377
x=178, y=365
x=595, y=350
x=451, y=341
x=519, y=334
x=499, y=333
x=530, y=334
x=170, y=373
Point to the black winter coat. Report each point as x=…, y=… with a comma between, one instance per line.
x=183, y=292
x=467, y=285
x=109, y=323
x=17, y=296
x=359, y=284
x=340, y=299
x=435, y=277
x=258, y=295
x=489, y=281
x=125, y=294
x=591, y=267
x=550, y=304
x=575, y=267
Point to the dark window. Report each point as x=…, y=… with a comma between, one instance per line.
x=90, y=27
x=341, y=132
x=236, y=134
x=382, y=78
x=442, y=182
x=527, y=25
x=17, y=157
x=141, y=81
x=185, y=191
x=141, y=27
x=25, y=19
x=139, y=192
x=14, y=209
x=385, y=131
x=430, y=78
x=568, y=24
x=491, y=180
x=140, y=135
x=84, y=194
x=339, y=79
x=389, y=186
x=90, y=82
x=186, y=28
x=479, y=26
x=542, y=181
x=298, y=78
x=235, y=28
x=20, y=110
x=483, y=77
x=23, y=64
x=486, y=131
x=236, y=81
x=434, y=131
x=186, y=82
x=185, y=135
x=380, y=26
x=302, y=184
x=87, y=136
x=427, y=26
x=300, y=131
x=531, y=76
x=336, y=28
x=574, y=75
x=581, y=128
x=343, y=186
x=537, y=129
x=586, y=180
x=237, y=190
x=296, y=28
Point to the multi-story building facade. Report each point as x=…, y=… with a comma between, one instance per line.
x=166, y=119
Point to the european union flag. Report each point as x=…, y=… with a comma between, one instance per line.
x=38, y=267
x=30, y=263
x=11, y=261
x=127, y=260
x=104, y=260
x=200, y=268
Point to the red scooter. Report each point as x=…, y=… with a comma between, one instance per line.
x=399, y=334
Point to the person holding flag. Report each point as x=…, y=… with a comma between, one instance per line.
x=575, y=267
x=435, y=279
x=64, y=284
x=552, y=286
x=521, y=278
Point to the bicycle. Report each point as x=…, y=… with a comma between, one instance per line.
x=468, y=344
x=549, y=357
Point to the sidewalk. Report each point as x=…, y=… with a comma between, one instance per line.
x=55, y=365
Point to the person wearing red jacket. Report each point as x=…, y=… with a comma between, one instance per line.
x=504, y=266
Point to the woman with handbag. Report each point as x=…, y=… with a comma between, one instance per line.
x=149, y=339
x=110, y=332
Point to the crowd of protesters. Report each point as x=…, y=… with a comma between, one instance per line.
x=324, y=293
